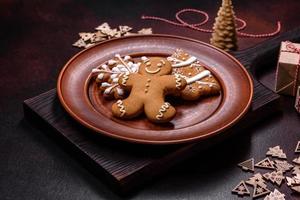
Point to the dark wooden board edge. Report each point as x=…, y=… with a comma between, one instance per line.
x=126, y=184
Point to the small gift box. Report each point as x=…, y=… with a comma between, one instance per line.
x=287, y=75
x=297, y=102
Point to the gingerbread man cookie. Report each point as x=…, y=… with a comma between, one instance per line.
x=200, y=81
x=148, y=89
x=107, y=75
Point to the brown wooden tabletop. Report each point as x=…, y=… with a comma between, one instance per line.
x=36, y=38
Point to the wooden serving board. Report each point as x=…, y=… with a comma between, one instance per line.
x=128, y=166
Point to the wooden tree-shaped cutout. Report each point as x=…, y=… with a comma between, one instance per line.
x=283, y=166
x=265, y=163
x=224, y=34
x=297, y=150
x=297, y=160
x=260, y=190
x=241, y=189
x=276, y=152
x=247, y=165
x=296, y=170
x=275, y=177
x=275, y=195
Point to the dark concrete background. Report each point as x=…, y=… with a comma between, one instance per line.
x=36, y=38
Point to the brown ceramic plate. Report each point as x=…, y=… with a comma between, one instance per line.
x=194, y=120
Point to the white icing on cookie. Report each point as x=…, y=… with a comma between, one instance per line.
x=152, y=71
x=178, y=81
x=144, y=58
x=95, y=70
x=108, y=90
x=120, y=91
x=185, y=63
x=162, y=110
x=111, y=62
x=123, y=62
x=125, y=78
x=121, y=108
x=104, y=66
x=206, y=83
x=115, y=80
x=198, y=76
x=114, y=76
x=100, y=76
x=127, y=58
x=105, y=84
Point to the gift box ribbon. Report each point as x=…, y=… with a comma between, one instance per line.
x=291, y=48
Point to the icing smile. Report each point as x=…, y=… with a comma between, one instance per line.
x=152, y=71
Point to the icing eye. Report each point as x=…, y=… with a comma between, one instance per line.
x=159, y=65
x=148, y=63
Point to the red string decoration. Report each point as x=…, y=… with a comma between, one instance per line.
x=196, y=26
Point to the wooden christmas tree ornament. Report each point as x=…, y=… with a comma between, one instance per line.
x=276, y=152
x=247, y=165
x=296, y=170
x=275, y=177
x=294, y=183
x=256, y=179
x=241, y=189
x=283, y=166
x=275, y=195
x=224, y=34
x=265, y=163
x=297, y=160
x=297, y=150
x=260, y=190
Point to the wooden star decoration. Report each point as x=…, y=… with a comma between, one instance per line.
x=79, y=43
x=241, y=189
x=145, y=31
x=103, y=27
x=105, y=32
x=124, y=29
x=85, y=36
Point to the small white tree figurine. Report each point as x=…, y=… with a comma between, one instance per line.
x=224, y=34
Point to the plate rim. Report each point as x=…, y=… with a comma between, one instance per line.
x=155, y=142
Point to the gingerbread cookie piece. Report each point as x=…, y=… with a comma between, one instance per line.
x=107, y=75
x=147, y=89
x=201, y=82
